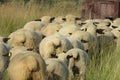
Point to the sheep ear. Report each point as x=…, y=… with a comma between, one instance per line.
x=84, y=41
x=37, y=20
x=115, y=37
x=64, y=51
x=64, y=19
x=70, y=33
x=77, y=18
x=95, y=23
x=110, y=18
x=87, y=50
x=69, y=56
x=81, y=24
x=5, y=40
x=29, y=49
x=43, y=36
x=57, y=30
x=57, y=46
x=109, y=24
x=52, y=19
x=54, y=56
x=114, y=27
x=100, y=31
x=76, y=56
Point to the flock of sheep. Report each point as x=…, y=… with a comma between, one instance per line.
x=58, y=48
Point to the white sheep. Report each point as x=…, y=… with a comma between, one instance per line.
x=27, y=38
x=76, y=43
x=65, y=43
x=77, y=61
x=59, y=19
x=87, y=36
x=104, y=25
x=50, y=29
x=70, y=19
x=26, y=65
x=34, y=26
x=116, y=22
x=69, y=29
x=116, y=33
x=56, y=69
x=54, y=44
x=48, y=46
x=47, y=19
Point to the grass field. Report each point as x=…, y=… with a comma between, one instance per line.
x=15, y=15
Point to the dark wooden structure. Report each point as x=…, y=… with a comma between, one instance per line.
x=100, y=9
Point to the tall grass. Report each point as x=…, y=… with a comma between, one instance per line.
x=15, y=15
x=107, y=67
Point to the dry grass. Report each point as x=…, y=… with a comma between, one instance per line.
x=15, y=15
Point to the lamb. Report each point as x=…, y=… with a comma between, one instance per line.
x=26, y=65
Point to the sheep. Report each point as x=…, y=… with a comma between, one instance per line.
x=27, y=38
x=56, y=69
x=47, y=19
x=105, y=25
x=50, y=29
x=59, y=20
x=116, y=22
x=106, y=42
x=69, y=29
x=84, y=37
x=34, y=26
x=26, y=65
x=4, y=59
x=48, y=45
x=77, y=61
x=88, y=37
x=65, y=43
x=54, y=44
x=76, y=43
x=70, y=25
x=116, y=33
x=70, y=19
